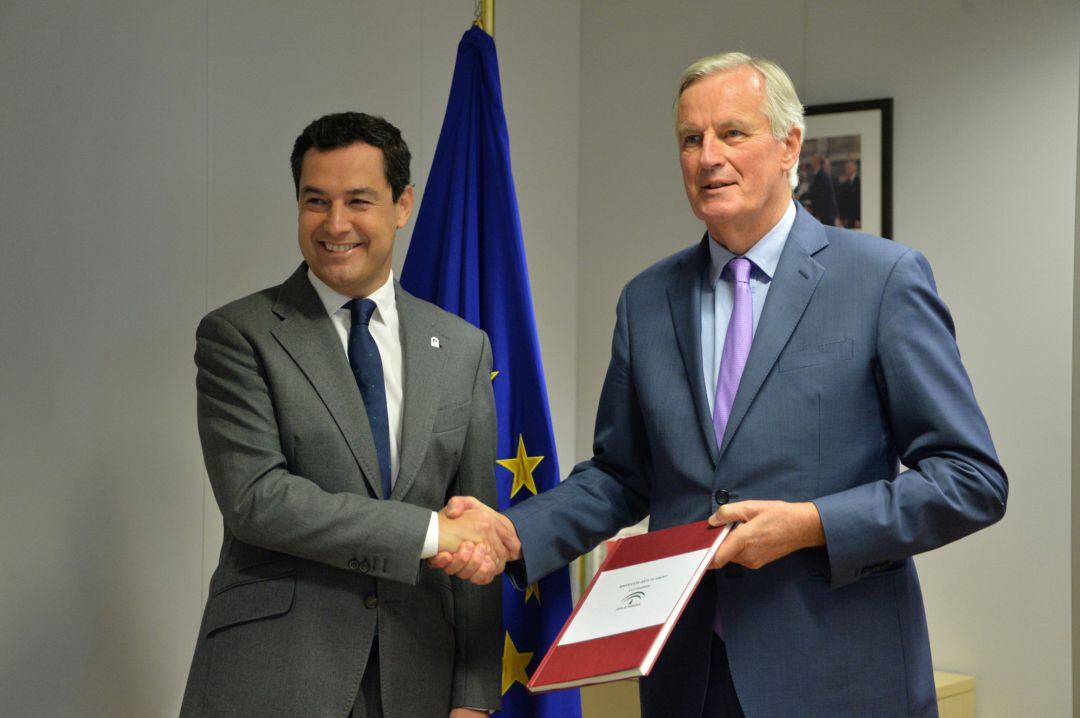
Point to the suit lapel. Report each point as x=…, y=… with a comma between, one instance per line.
x=797, y=276
x=422, y=372
x=307, y=335
x=684, y=299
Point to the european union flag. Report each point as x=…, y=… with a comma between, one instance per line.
x=467, y=256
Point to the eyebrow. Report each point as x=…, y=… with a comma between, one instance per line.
x=365, y=191
x=737, y=123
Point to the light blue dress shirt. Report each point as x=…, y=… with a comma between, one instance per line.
x=718, y=294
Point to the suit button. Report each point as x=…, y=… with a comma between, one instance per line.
x=722, y=497
x=354, y=565
x=371, y=601
x=364, y=567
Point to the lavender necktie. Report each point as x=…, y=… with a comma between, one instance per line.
x=740, y=332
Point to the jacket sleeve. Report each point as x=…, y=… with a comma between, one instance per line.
x=265, y=505
x=601, y=495
x=954, y=484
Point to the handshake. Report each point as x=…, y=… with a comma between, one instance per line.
x=475, y=541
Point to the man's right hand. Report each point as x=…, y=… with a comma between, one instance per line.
x=475, y=541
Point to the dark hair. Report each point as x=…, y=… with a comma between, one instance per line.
x=343, y=129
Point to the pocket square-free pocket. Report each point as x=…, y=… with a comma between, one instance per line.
x=832, y=350
x=453, y=417
x=250, y=600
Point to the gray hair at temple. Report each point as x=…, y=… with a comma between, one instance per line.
x=781, y=104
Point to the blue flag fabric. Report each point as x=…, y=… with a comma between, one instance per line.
x=467, y=256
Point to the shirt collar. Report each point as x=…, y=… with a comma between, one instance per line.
x=765, y=254
x=333, y=301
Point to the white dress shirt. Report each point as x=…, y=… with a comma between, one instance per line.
x=385, y=330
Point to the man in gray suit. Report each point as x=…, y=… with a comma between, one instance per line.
x=337, y=414
x=773, y=375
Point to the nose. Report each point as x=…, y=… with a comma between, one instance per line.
x=336, y=222
x=712, y=151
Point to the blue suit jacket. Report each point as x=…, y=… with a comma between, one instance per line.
x=853, y=367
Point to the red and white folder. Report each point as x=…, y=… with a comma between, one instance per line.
x=626, y=614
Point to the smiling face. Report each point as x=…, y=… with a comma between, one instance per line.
x=734, y=170
x=348, y=217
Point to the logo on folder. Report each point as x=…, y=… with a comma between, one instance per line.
x=632, y=599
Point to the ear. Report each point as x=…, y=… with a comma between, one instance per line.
x=404, y=206
x=791, y=147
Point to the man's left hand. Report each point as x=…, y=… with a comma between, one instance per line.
x=767, y=530
x=467, y=713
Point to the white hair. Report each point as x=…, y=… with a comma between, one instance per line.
x=781, y=104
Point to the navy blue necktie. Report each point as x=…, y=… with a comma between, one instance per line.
x=367, y=370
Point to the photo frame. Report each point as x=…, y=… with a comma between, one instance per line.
x=845, y=169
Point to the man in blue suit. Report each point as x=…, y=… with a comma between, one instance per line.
x=774, y=375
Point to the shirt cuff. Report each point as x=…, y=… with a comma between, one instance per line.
x=431, y=540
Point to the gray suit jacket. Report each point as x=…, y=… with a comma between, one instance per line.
x=854, y=365
x=313, y=558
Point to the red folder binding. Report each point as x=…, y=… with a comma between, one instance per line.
x=664, y=565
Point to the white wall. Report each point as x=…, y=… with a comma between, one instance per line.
x=1075, y=448
x=103, y=199
x=985, y=184
x=145, y=152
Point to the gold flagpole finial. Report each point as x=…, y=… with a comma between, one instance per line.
x=485, y=16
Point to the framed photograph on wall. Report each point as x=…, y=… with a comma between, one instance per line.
x=845, y=169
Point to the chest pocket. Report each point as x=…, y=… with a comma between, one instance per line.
x=452, y=417
x=830, y=351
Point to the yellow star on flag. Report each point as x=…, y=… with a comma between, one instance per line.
x=522, y=466
x=532, y=590
x=513, y=665
x=494, y=374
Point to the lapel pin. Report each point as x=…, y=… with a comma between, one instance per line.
x=435, y=342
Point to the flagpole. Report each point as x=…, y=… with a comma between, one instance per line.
x=485, y=16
